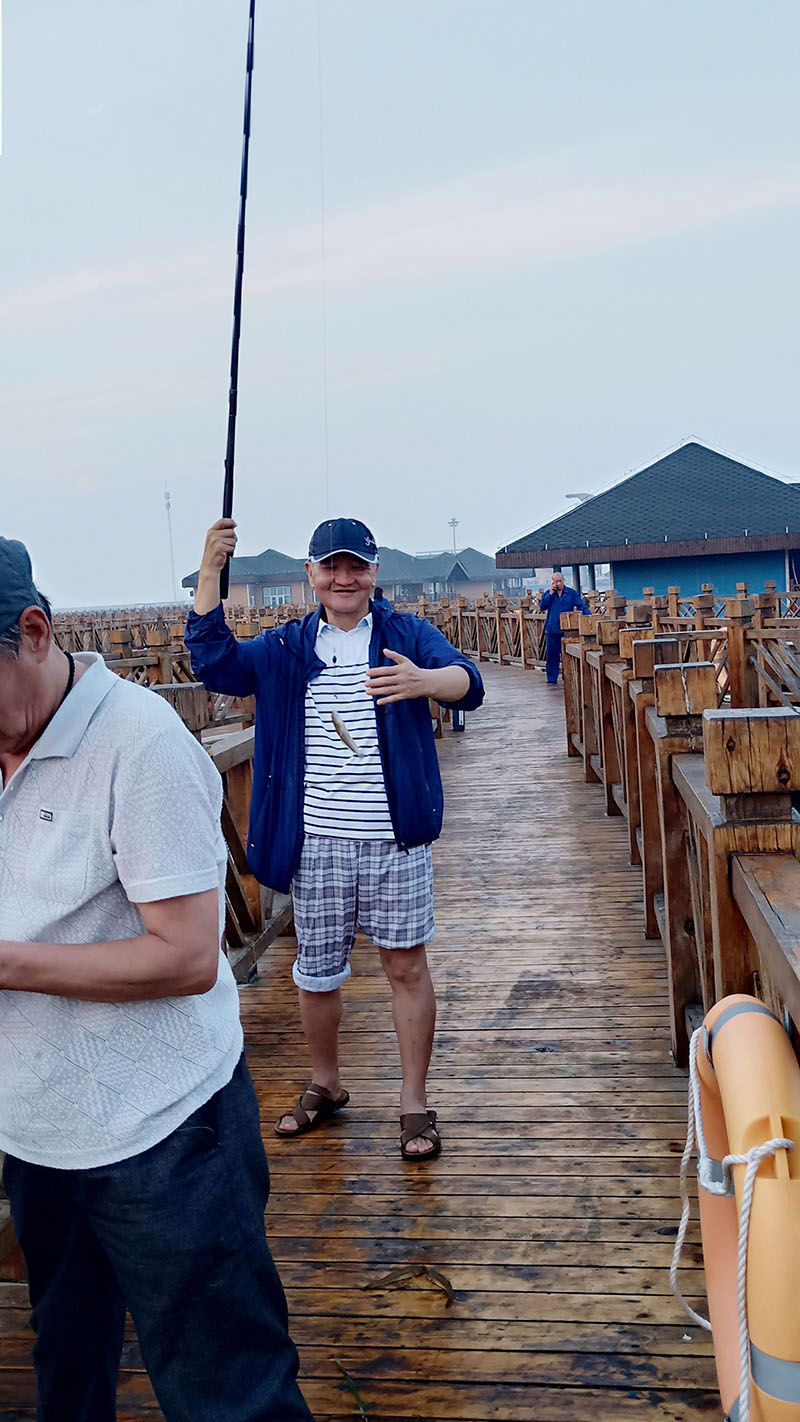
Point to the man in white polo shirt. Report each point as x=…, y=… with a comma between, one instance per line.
x=134, y=1163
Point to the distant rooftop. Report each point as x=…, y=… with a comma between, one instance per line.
x=467, y=565
x=693, y=494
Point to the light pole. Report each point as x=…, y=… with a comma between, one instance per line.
x=454, y=526
x=168, y=507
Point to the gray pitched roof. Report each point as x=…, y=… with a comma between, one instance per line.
x=690, y=494
x=270, y=563
x=467, y=565
x=395, y=566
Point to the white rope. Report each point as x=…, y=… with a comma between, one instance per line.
x=752, y=1160
x=694, y=1127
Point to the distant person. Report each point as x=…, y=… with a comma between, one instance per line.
x=559, y=599
x=134, y=1163
x=347, y=795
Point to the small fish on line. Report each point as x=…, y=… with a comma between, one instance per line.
x=342, y=731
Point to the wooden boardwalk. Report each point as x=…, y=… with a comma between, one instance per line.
x=553, y=1207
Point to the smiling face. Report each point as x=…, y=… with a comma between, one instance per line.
x=344, y=585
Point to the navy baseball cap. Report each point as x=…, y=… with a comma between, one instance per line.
x=342, y=535
x=17, y=589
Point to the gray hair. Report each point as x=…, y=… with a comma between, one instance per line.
x=11, y=639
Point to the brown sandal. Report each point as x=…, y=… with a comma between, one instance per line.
x=314, y=1098
x=417, y=1124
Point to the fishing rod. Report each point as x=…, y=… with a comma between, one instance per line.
x=233, y=393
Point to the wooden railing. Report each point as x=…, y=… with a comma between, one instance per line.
x=150, y=650
x=254, y=915
x=147, y=644
x=693, y=737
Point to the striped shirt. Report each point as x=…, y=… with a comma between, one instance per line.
x=345, y=794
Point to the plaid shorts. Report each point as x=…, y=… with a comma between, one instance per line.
x=344, y=884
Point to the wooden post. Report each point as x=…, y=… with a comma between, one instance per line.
x=752, y=763
x=637, y=614
x=119, y=641
x=647, y=653
x=522, y=609
x=608, y=637
x=591, y=746
x=752, y=752
x=238, y=790
x=615, y=606
x=157, y=640
x=684, y=690
x=460, y=605
x=659, y=610
x=619, y=676
x=571, y=672
x=673, y=601
x=766, y=606
x=190, y=700
x=743, y=684
x=499, y=613
x=703, y=606
x=682, y=693
x=483, y=650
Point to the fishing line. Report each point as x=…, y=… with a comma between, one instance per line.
x=323, y=265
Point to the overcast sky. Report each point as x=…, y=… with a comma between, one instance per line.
x=498, y=251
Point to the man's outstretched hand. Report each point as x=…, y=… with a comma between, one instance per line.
x=405, y=681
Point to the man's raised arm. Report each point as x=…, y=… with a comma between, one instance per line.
x=218, y=660
x=220, y=545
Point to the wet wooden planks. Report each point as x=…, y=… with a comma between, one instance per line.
x=553, y=1208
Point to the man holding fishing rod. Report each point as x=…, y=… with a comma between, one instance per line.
x=347, y=795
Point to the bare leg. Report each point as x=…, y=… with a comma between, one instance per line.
x=414, y=1015
x=320, y=1014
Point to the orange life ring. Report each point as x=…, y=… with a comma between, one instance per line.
x=749, y=1088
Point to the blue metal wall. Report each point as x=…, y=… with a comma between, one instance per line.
x=724, y=571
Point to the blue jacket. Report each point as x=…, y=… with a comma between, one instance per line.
x=567, y=601
x=276, y=668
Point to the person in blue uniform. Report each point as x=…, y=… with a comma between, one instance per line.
x=559, y=599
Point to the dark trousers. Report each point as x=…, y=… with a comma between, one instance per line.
x=553, y=642
x=176, y=1235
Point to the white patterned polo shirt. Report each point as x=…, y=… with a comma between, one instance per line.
x=115, y=805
